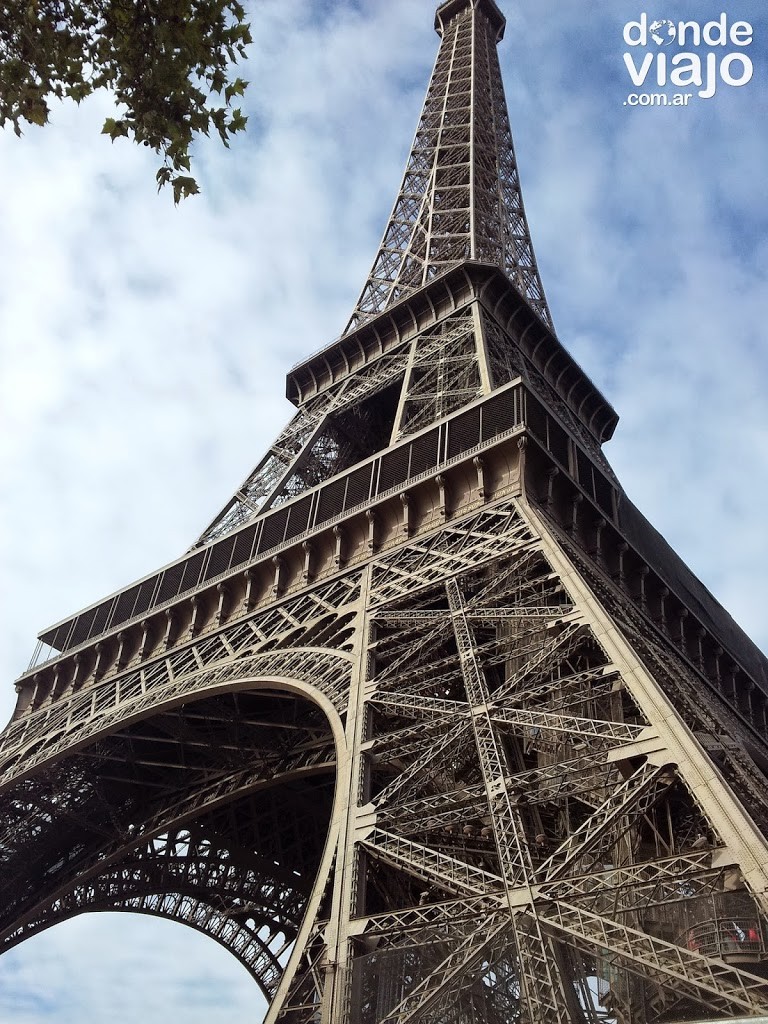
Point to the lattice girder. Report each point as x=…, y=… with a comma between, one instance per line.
x=255, y=914
x=440, y=858
x=460, y=198
x=281, y=749
x=499, y=752
x=427, y=727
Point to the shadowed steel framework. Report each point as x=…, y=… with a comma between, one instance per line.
x=430, y=725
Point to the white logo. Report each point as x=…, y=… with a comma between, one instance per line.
x=662, y=32
x=670, y=57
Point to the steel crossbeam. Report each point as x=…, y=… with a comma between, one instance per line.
x=713, y=982
x=553, y=698
x=629, y=801
x=438, y=869
x=550, y=780
x=402, y=668
x=508, y=828
x=507, y=822
x=394, y=747
x=639, y=886
x=456, y=970
x=408, y=819
x=546, y=612
x=429, y=762
x=518, y=579
x=540, y=786
x=433, y=916
x=557, y=646
x=616, y=733
x=419, y=706
x=450, y=551
x=546, y=996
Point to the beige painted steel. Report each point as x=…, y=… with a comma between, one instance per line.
x=456, y=751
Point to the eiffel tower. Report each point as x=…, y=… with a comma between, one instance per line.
x=430, y=725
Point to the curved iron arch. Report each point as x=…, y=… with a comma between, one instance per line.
x=195, y=908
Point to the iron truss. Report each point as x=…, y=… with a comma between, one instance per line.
x=497, y=811
x=460, y=198
x=532, y=837
x=426, y=728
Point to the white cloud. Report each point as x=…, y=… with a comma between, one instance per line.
x=143, y=348
x=650, y=228
x=122, y=968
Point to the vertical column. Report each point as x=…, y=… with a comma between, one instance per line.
x=355, y=823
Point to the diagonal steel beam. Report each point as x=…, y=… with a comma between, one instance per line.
x=634, y=797
x=455, y=972
x=704, y=979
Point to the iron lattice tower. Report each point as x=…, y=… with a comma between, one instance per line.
x=430, y=725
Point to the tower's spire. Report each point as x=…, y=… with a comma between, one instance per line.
x=460, y=198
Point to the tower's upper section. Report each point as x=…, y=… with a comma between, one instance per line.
x=447, y=11
x=460, y=198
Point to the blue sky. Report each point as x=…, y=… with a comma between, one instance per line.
x=143, y=348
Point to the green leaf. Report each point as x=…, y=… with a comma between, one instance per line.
x=183, y=187
x=79, y=91
x=36, y=112
x=115, y=129
x=236, y=88
x=164, y=62
x=237, y=122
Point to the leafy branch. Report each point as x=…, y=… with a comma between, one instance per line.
x=167, y=62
